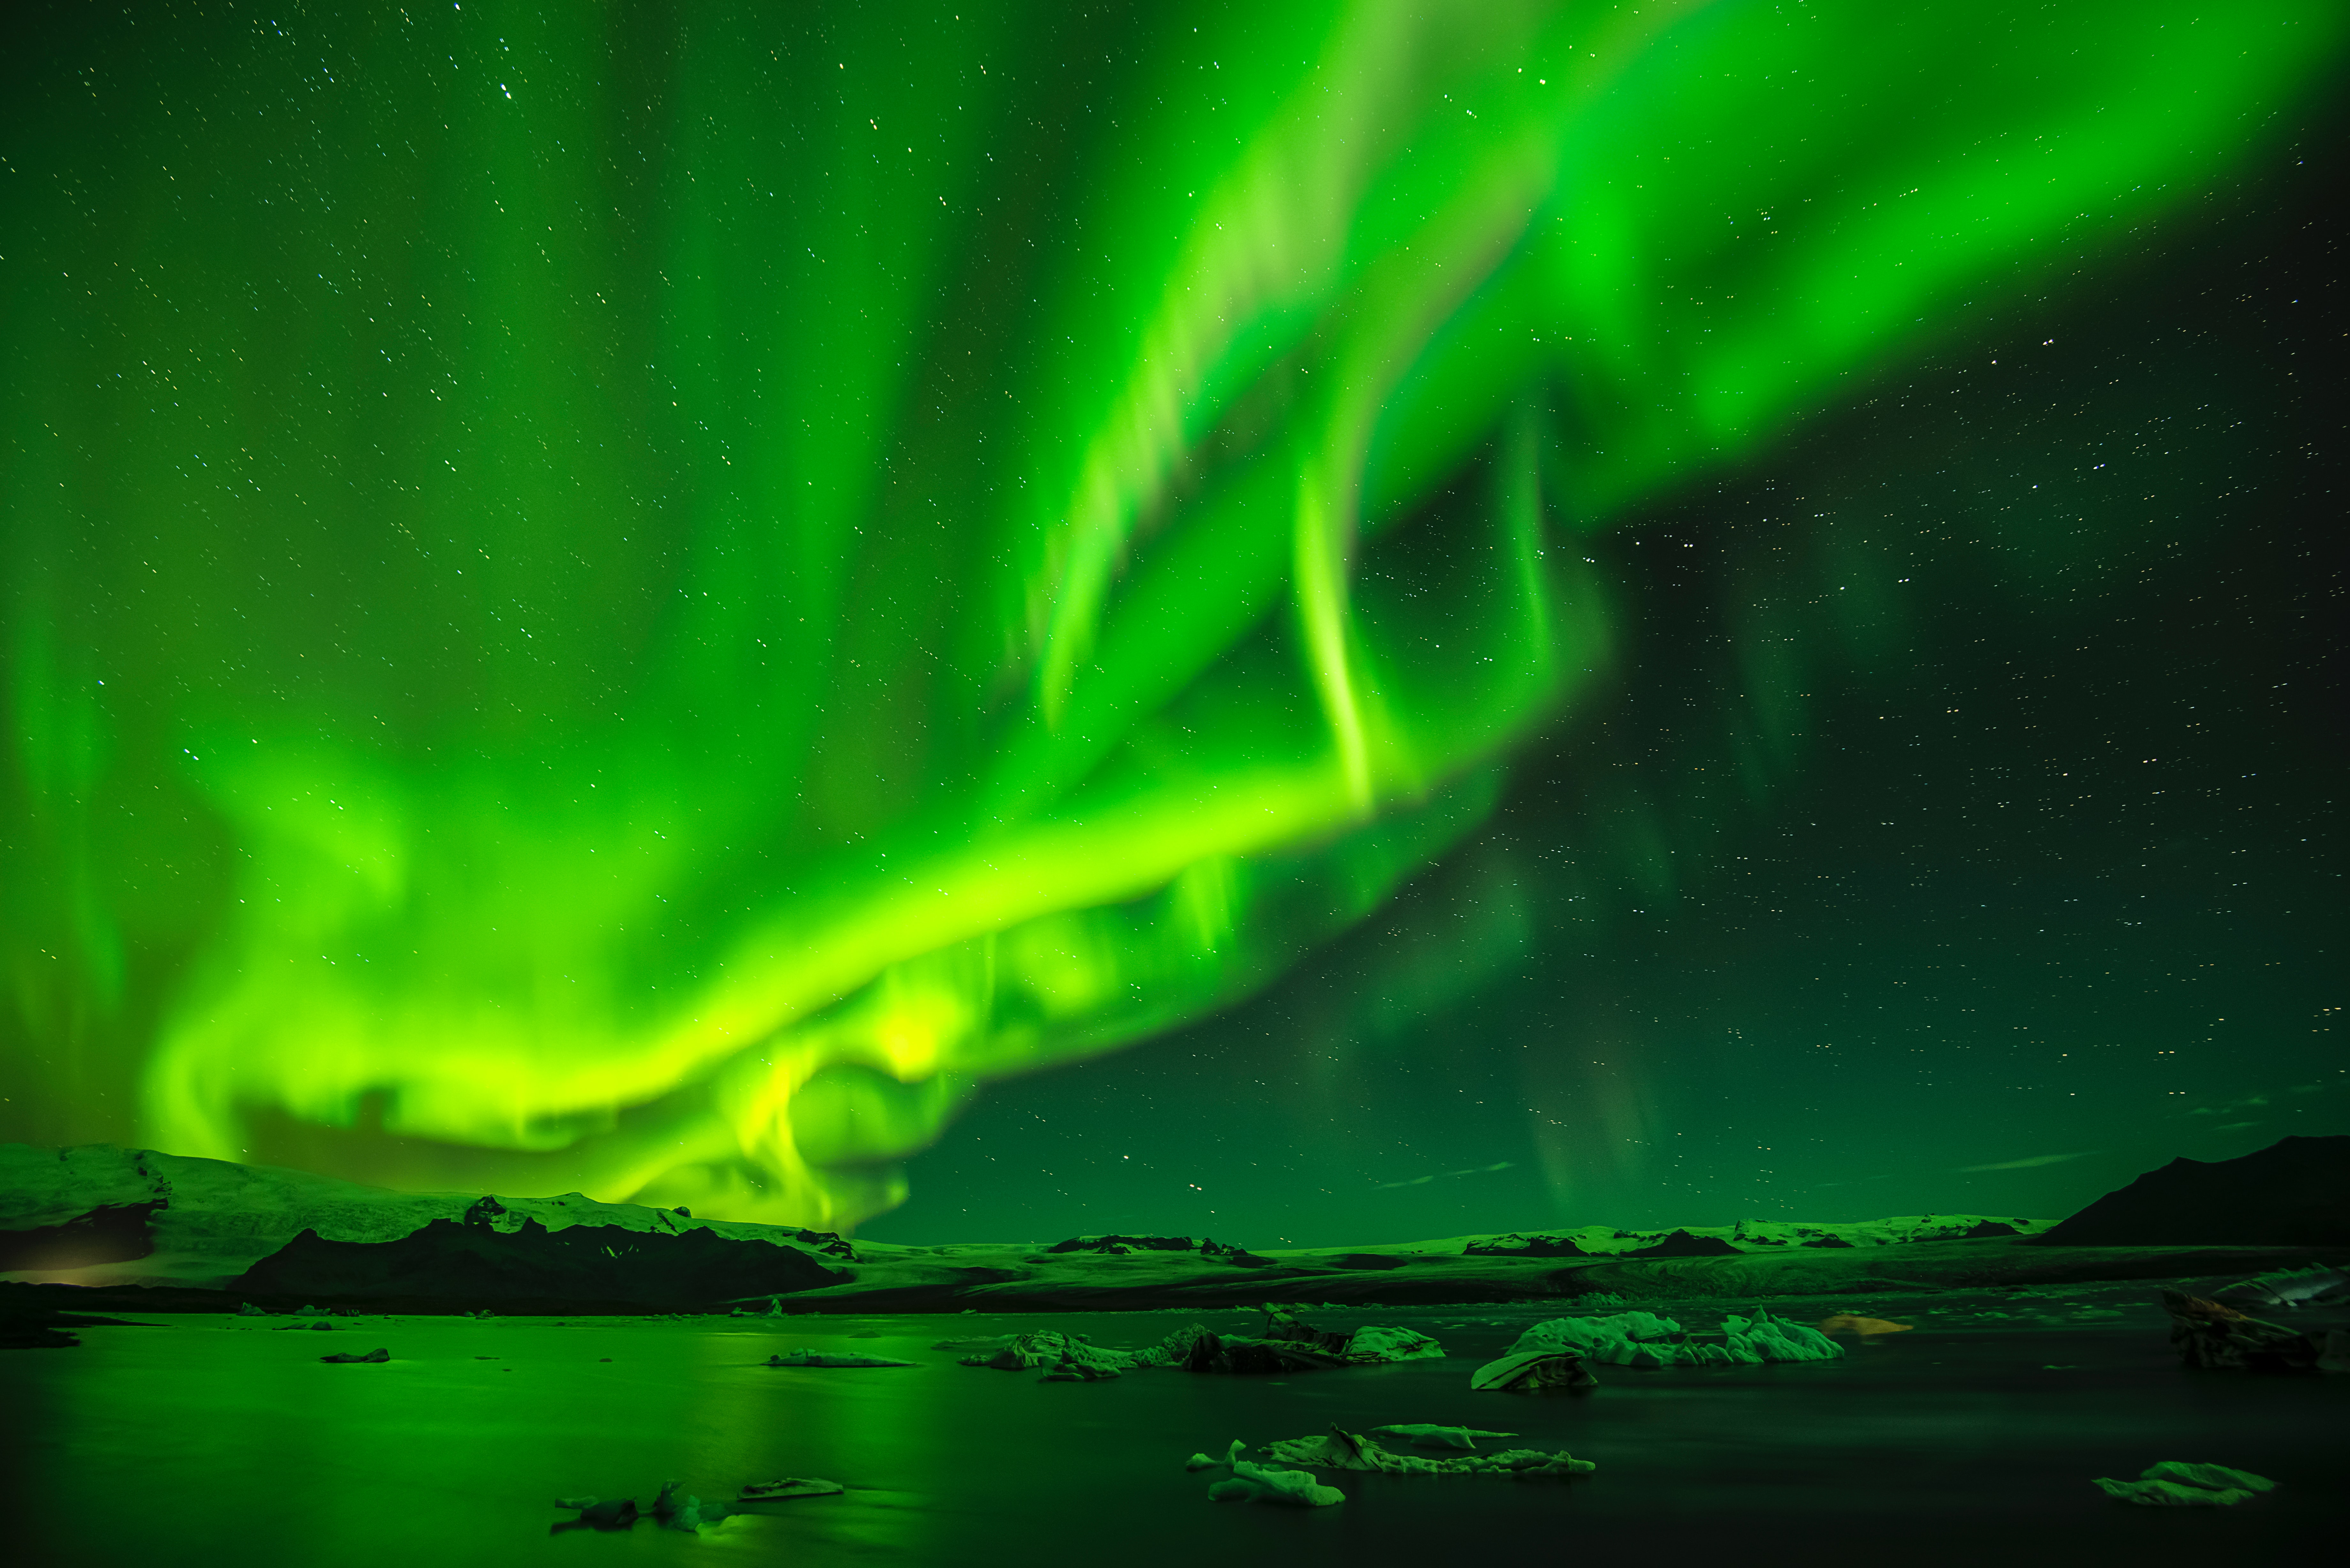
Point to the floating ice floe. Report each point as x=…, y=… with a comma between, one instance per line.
x=1056, y=1352
x=619, y=1513
x=1372, y=1345
x=2313, y=1286
x=1532, y=1372
x=1287, y=1343
x=789, y=1487
x=1072, y=1370
x=1343, y=1450
x=1426, y=1437
x=689, y=1512
x=831, y=1358
x=1643, y=1339
x=669, y=1510
x=2175, y=1483
x=2215, y=1334
x=1246, y=1482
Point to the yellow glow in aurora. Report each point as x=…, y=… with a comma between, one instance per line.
x=653, y=648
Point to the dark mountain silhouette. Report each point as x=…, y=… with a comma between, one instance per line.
x=473, y=1264
x=2293, y=1193
x=1681, y=1245
x=1207, y=1247
x=1514, y=1245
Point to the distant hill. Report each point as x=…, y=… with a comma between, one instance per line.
x=2293, y=1193
x=99, y=1228
x=97, y=1215
x=531, y=1267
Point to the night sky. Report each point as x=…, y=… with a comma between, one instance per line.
x=1309, y=621
x=2043, y=890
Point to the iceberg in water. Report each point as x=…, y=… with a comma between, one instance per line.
x=1246, y=1482
x=1643, y=1339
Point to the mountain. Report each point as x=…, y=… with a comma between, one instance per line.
x=530, y=1267
x=2293, y=1193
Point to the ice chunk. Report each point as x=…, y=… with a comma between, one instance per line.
x=1776, y=1339
x=1249, y=1482
x=1643, y=1339
x=1051, y=1349
x=2174, y=1483
x=689, y=1512
x=1344, y=1450
x=1585, y=1334
x=2168, y=1494
x=2215, y=1334
x=1426, y=1437
x=2290, y=1288
x=1072, y=1370
x=617, y=1515
x=1532, y=1371
x=1373, y=1345
x=789, y=1487
x=2219, y=1477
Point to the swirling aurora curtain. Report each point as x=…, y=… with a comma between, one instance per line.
x=642, y=598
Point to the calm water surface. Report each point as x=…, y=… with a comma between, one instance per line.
x=221, y=1441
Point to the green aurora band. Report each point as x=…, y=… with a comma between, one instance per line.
x=642, y=600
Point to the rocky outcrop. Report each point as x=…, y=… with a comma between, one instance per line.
x=2293, y=1193
x=1116, y=1246
x=100, y=1216
x=1127, y=1244
x=473, y=1264
x=1515, y=1245
x=1681, y=1245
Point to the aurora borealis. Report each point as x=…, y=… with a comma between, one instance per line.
x=647, y=598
